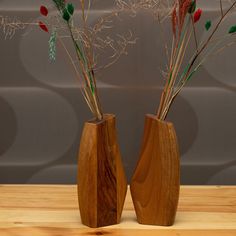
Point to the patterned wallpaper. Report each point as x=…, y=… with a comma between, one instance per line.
x=42, y=110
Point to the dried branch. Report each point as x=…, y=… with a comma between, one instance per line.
x=89, y=42
x=10, y=26
x=173, y=85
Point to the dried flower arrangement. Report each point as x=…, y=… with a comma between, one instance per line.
x=89, y=41
x=155, y=184
x=184, y=18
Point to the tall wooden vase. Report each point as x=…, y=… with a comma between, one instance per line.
x=102, y=184
x=156, y=181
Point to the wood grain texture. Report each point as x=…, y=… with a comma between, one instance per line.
x=27, y=210
x=101, y=177
x=156, y=180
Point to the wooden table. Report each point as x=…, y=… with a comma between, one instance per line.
x=53, y=210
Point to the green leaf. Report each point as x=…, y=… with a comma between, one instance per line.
x=208, y=25
x=70, y=8
x=232, y=29
x=92, y=88
x=91, y=75
x=185, y=71
x=192, y=8
x=60, y=4
x=170, y=77
x=190, y=75
x=66, y=15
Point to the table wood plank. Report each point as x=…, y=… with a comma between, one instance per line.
x=39, y=210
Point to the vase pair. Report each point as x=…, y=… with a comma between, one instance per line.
x=102, y=184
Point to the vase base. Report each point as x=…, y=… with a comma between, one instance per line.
x=154, y=223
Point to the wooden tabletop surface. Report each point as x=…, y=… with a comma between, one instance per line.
x=40, y=210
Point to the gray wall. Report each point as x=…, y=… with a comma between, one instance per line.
x=42, y=110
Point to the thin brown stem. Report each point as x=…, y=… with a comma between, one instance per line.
x=210, y=37
x=221, y=8
x=92, y=95
x=194, y=33
x=179, y=52
x=198, y=52
x=84, y=92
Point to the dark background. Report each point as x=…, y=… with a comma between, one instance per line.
x=42, y=110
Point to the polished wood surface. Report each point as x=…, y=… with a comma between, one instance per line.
x=101, y=177
x=156, y=180
x=53, y=210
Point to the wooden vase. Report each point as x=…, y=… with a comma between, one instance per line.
x=156, y=181
x=102, y=183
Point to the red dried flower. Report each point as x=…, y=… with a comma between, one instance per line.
x=174, y=20
x=181, y=2
x=43, y=10
x=184, y=7
x=43, y=26
x=197, y=15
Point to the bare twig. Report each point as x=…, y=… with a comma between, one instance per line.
x=221, y=8
x=194, y=33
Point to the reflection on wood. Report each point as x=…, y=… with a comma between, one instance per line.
x=43, y=210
